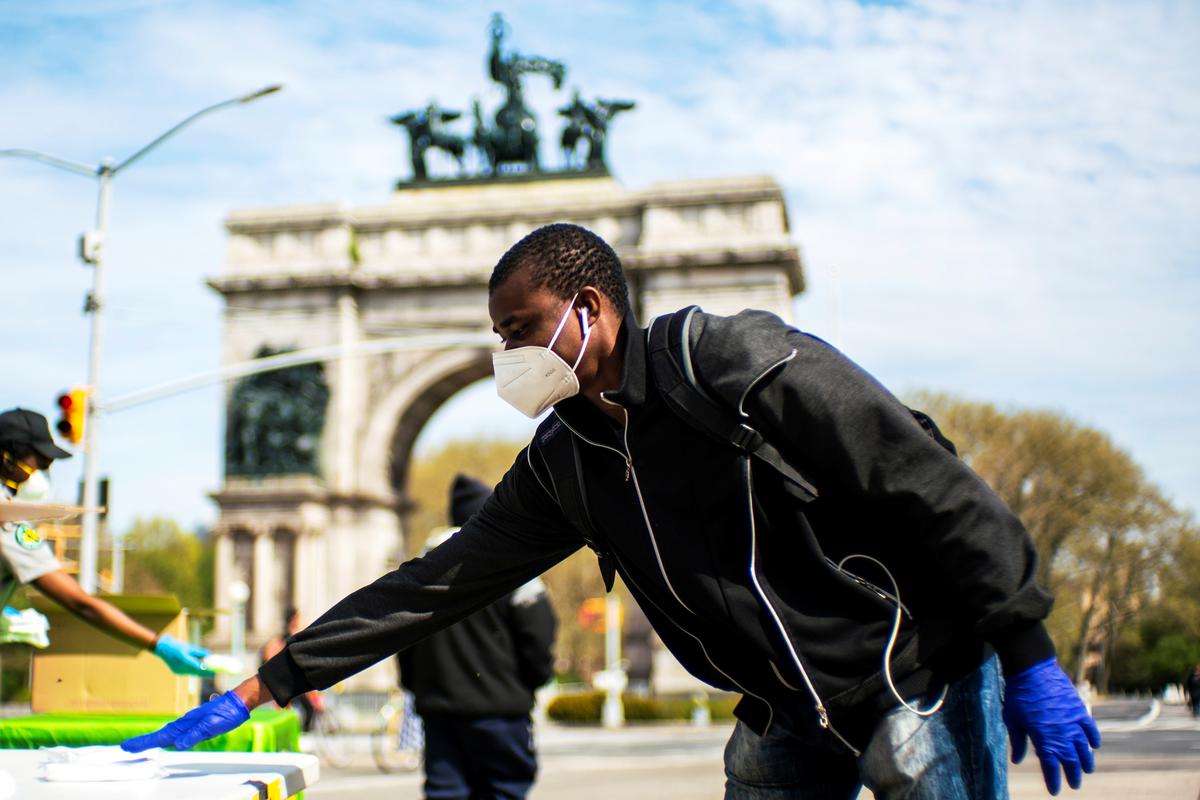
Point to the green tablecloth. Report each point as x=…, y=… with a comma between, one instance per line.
x=270, y=730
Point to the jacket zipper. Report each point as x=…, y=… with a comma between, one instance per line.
x=631, y=473
x=626, y=574
x=624, y=456
x=770, y=709
x=882, y=594
x=822, y=712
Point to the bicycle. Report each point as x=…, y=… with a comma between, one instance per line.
x=398, y=741
x=328, y=738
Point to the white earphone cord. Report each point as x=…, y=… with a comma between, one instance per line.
x=887, y=651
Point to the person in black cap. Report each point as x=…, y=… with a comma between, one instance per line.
x=26, y=452
x=473, y=683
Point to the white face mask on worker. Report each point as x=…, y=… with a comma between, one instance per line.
x=35, y=489
x=531, y=379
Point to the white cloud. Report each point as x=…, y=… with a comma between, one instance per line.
x=993, y=198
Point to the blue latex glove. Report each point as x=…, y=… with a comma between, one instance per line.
x=1042, y=704
x=219, y=715
x=181, y=657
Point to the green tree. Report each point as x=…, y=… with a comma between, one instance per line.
x=1165, y=641
x=162, y=558
x=428, y=491
x=1102, y=531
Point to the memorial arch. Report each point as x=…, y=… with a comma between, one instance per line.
x=315, y=276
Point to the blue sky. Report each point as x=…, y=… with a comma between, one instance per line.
x=995, y=199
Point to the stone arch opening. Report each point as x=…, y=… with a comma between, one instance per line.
x=416, y=416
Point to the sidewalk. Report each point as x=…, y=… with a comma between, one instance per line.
x=1144, y=758
x=678, y=762
x=1111, y=781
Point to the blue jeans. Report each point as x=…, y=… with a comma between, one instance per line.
x=478, y=758
x=959, y=753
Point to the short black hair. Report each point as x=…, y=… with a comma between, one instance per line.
x=564, y=258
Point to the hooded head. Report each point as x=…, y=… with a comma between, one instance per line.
x=467, y=495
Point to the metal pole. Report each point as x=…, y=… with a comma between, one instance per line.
x=239, y=594
x=118, y=560
x=294, y=358
x=613, y=712
x=237, y=633
x=89, y=535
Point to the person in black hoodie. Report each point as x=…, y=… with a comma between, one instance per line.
x=1191, y=685
x=862, y=591
x=473, y=683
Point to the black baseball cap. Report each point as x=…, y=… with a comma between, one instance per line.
x=22, y=426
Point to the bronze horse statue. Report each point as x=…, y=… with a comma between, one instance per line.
x=589, y=122
x=425, y=131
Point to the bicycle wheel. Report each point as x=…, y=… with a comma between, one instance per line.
x=333, y=745
x=398, y=744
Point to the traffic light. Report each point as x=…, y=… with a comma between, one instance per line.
x=72, y=407
x=593, y=614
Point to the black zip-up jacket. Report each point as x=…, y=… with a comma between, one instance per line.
x=734, y=568
x=487, y=665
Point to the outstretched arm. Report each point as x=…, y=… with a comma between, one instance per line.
x=182, y=658
x=519, y=533
x=62, y=589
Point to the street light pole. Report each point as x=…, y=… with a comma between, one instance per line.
x=89, y=534
x=93, y=252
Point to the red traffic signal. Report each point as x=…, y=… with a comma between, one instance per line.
x=72, y=413
x=593, y=614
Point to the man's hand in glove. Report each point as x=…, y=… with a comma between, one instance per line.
x=1042, y=704
x=215, y=717
x=181, y=657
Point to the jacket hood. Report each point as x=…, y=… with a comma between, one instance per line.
x=467, y=495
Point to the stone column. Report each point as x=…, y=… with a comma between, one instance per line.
x=341, y=421
x=266, y=616
x=308, y=578
x=222, y=574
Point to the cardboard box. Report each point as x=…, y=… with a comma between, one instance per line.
x=86, y=670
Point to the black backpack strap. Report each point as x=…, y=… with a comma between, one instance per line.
x=560, y=451
x=670, y=362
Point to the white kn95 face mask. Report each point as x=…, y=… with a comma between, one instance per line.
x=35, y=489
x=531, y=379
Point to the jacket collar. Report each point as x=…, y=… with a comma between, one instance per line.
x=633, y=375
x=578, y=411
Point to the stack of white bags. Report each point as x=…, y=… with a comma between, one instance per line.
x=26, y=626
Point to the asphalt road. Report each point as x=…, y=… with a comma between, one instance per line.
x=1146, y=755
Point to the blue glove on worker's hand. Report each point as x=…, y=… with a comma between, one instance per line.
x=1042, y=704
x=181, y=657
x=219, y=715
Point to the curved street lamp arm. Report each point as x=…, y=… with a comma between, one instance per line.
x=60, y=163
x=246, y=98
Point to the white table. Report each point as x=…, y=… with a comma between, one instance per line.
x=193, y=776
